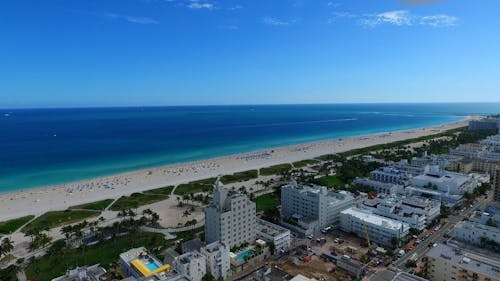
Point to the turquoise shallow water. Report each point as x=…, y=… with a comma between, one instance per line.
x=40, y=147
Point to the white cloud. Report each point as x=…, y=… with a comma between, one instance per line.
x=201, y=5
x=234, y=8
x=399, y=18
x=439, y=20
x=274, y=21
x=332, y=4
x=132, y=19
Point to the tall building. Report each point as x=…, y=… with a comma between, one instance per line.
x=217, y=256
x=315, y=204
x=496, y=184
x=448, y=263
x=381, y=230
x=485, y=124
x=230, y=218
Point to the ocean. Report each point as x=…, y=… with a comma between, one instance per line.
x=41, y=147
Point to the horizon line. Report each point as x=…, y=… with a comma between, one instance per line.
x=236, y=104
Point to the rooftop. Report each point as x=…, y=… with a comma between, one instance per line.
x=270, y=228
x=469, y=260
x=372, y=219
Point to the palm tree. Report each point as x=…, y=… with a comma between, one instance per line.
x=6, y=246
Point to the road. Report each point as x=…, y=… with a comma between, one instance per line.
x=422, y=248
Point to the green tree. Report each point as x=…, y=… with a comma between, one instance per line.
x=6, y=246
x=208, y=277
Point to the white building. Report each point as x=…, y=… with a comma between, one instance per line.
x=447, y=263
x=230, y=218
x=390, y=175
x=273, y=233
x=492, y=142
x=415, y=211
x=380, y=187
x=217, y=257
x=315, y=205
x=381, y=230
x=480, y=226
x=192, y=265
x=442, y=185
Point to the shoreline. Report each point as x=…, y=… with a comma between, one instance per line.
x=37, y=200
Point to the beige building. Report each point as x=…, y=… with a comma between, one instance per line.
x=447, y=263
x=230, y=219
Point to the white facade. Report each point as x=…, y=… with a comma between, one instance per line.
x=444, y=181
x=273, y=233
x=472, y=233
x=380, y=187
x=314, y=204
x=442, y=185
x=390, y=175
x=415, y=211
x=493, y=142
x=192, y=265
x=381, y=230
x=217, y=257
x=230, y=218
x=479, y=226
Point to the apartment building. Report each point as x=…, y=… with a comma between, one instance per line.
x=217, y=259
x=230, y=218
x=381, y=230
x=315, y=205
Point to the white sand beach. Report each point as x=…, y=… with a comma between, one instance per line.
x=39, y=200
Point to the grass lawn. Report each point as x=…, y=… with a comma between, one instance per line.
x=267, y=201
x=9, y=273
x=195, y=186
x=330, y=181
x=104, y=253
x=96, y=206
x=240, y=176
x=188, y=234
x=57, y=218
x=275, y=170
x=10, y=226
x=303, y=163
x=162, y=190
x=136, y=200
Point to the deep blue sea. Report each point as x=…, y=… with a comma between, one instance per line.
x=40, y=147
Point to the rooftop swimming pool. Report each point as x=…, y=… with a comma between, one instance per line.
x=241, y=256
x=152, y=266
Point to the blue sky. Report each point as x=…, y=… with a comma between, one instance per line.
x=58, y=53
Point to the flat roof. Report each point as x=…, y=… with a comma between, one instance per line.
x=372, y=219
x=467, y=259
x=270, y=228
